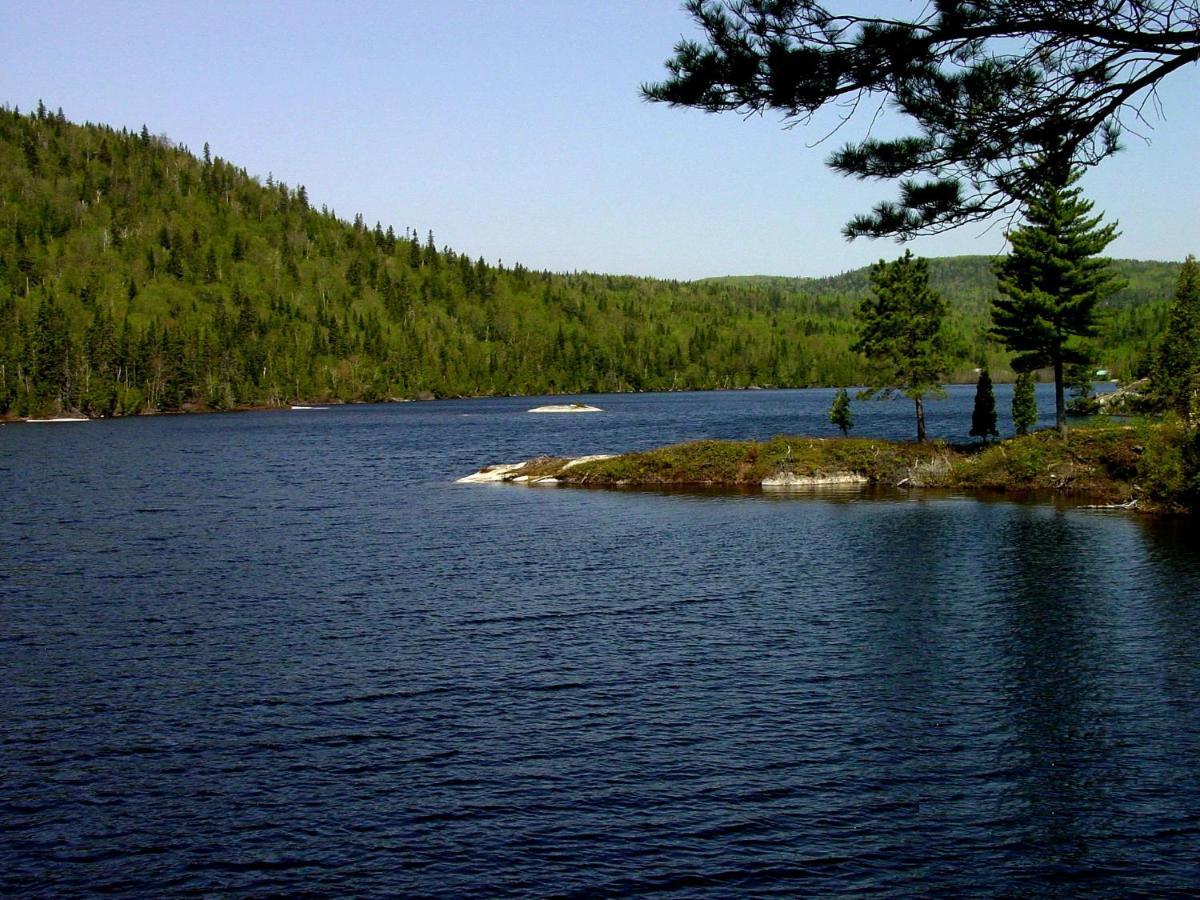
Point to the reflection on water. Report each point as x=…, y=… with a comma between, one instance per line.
x=1058, y=703
x=1172, y=540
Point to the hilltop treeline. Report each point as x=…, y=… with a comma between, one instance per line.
x=136, y=276
x=1131, y=321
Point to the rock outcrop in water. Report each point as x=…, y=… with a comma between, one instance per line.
x=1129, y=399
x=542, y=470
x=566, y=408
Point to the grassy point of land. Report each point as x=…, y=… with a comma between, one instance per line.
x=1143, y=465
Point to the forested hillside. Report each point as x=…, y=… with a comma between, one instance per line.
x=136, y=276
x=1130, y=321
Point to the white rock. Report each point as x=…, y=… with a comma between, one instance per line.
x=790, y=481
x=504, y=472
x=566, y=408
x=490, y=474
x=579, y=461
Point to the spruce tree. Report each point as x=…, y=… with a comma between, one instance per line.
x=1175, y=377
x=1024, y=403
x=51, y=344
x=211, y=272
x=901, y=330
x=983, y=416
x=839, y=411
x=1078, y=378
x=1052, y=281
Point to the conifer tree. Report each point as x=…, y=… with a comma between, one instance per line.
x=1024, y=402
x=839, y=411
x=902, y=331
x=1078, y=378
x=987, y=85
x=431, y=254
x=1052, y=281
x=211, y=271
x=983, y=416
x=1175, y=377
x=51, y=346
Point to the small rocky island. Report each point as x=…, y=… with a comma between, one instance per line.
x=566, y=408
x=1106, y=465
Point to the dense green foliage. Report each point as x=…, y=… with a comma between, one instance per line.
x=1176, y=373
x=1130, y=320
x=1024, y=402
x=1079, y=380
x=1052, y=281
x=983, y=414
x=902, y=332
x=135, y=277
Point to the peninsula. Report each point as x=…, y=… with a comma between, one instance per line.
x=1110, y=465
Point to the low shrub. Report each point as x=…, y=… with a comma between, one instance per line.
x=1162, y=470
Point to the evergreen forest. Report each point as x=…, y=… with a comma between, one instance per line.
x=136, y=276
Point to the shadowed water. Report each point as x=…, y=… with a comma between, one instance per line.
x=284, y=653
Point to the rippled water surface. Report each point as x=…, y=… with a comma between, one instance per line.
x=284, y=653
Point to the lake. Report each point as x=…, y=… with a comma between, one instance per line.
x=283, y=653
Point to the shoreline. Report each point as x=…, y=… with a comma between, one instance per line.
x=195, y=410
x=1114, y=466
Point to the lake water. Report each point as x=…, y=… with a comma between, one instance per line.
x=282, y=653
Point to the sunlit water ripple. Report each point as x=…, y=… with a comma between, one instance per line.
x=284, y=653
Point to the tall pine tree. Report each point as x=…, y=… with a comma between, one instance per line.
x=51, y=357
x=1024, y=402
x=1175, y=378
x=1052, y=281
x=983, y=416
x=901, y=330
x=839, y=411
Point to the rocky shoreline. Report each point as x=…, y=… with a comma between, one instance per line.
x=1113, y=466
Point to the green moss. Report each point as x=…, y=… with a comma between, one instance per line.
x=1100, y=461
x=1106, y=462
x=698, y=462
x=540, y=467
x=750, y=462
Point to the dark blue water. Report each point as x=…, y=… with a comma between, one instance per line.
x=281, y=653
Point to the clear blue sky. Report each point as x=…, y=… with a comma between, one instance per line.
x=514, y=130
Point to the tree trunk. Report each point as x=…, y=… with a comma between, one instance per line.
x=920, y=404
x=1060, y=407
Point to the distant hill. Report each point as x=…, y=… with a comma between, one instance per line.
x=136, y=276
x=1132, y=318
x=968, y=282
